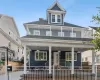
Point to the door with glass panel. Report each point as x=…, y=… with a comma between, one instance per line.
x=56, y=58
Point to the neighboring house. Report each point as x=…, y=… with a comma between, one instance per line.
x=52, y=41
x=87, y=55
x=9, y=37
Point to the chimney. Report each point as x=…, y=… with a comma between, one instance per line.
x=41, y=19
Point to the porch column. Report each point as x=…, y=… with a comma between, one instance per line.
x=24, y=59
x=93, y=62
x=29, y=57
x=72, y=67
x=50, y=60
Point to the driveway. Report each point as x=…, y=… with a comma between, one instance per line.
x=12, y=75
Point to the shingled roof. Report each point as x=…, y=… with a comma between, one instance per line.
x=45, y=22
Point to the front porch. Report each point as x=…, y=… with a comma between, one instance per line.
x=39, y=56
x=62, y=57
x=56, y=52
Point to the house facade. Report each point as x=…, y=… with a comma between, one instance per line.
x=87, y=55
x=54, y=42
x=9, y=37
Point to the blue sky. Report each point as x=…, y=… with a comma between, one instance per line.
x=79, y=12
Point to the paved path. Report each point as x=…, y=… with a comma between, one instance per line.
x=12, y=76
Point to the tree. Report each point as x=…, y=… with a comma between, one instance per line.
x=96, y=41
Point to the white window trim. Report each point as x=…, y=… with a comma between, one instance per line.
x=34, y=32
x=70, y=53
x=61, y=34
x=72, y=34
x=49, y=32
x=43, y=55
x=56, y=18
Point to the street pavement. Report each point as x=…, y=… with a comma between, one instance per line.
x=12, y=76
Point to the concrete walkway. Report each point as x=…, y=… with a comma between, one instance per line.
x=12, y=75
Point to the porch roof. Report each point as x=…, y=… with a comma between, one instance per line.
x=59, y=38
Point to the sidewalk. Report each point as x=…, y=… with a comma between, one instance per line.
x=12, y=75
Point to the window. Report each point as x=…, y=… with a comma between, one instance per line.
x=48, y=33
x=58, y=18
x=9, y=44
x=18, y=49
x=2, y=54
x=73, y=35
x=59, y=34
x=36, y=32
x=40, y=55
x=53, y=18
x=86, y=59
x=69, y=56
x=98, y=58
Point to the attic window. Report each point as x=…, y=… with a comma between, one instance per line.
x=53, y=18
x=56, y=18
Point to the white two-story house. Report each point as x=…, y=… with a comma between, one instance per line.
x=9, y=37
x=52, y=41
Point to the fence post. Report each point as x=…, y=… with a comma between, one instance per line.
x=96, y=72
x=53, y=72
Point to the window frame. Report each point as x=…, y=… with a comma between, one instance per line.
x=59, y=18
x=61, y=35
x=75, y=54
x=49, y=32
x=56, y=18
x=35, y=31
x=72, y=35
x=39, y=52
x=98, y=58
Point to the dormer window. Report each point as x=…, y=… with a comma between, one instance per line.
x=53, y=18
x=56, y=18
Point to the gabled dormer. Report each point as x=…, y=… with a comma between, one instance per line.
x=55, y=14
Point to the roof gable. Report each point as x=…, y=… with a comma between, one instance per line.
x=56, y=6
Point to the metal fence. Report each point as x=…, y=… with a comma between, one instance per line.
x=42, y=73
x=58, y=75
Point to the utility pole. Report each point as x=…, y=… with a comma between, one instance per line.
x=7, y=63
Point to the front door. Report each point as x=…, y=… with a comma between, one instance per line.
x=56, y=58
